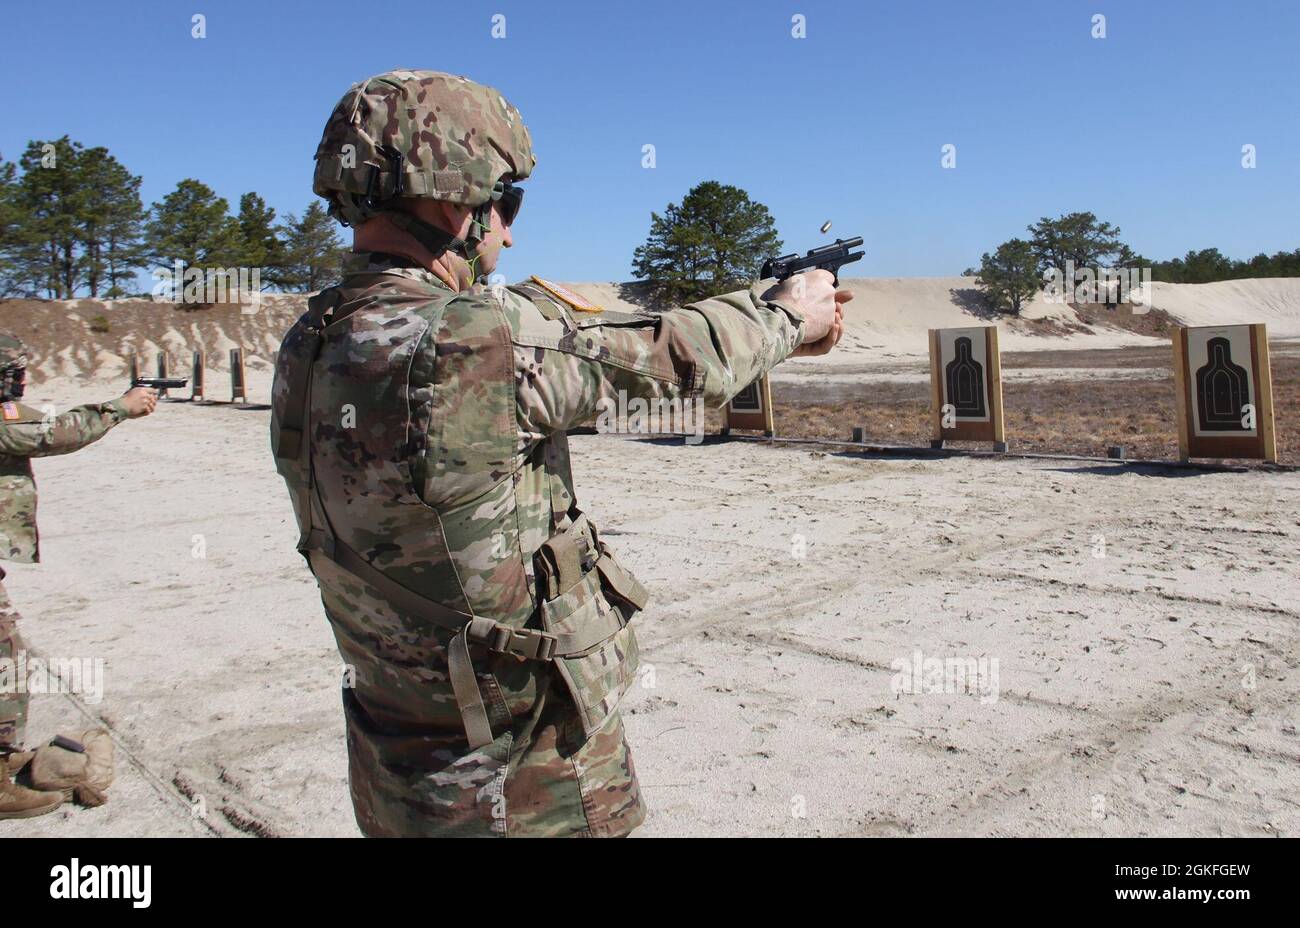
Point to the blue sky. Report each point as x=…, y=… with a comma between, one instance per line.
x=1143, y=127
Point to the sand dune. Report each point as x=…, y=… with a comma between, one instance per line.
x=62, y=342
x=889, y=318
x=887, y=321
x=1274, y=301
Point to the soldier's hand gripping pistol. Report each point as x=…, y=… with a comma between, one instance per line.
x=829, y=258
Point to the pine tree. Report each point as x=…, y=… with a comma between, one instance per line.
x=70, y=221
x=1077, y=237
x=110, y=217
x=259, y=245
x=15, y=244
x=51, y=198
x=191, y=225
x=124, y=251
x=715, y=240
x=313, y=251
x=1010, y=275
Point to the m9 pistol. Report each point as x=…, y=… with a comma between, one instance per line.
x=829, y=258
x=160, y=383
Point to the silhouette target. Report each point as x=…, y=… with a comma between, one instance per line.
x=747, y=399
x=965, y=380
x=751, y=408
x=1218, y=372
x=1222, y=389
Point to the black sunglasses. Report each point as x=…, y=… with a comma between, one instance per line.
x=508, y=198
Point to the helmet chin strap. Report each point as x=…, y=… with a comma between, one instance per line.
x=430, y=236
x=438, y=241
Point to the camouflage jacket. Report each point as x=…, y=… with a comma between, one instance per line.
x=25, y=433
x=437, y=436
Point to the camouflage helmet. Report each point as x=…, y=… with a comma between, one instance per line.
x=13, y=353
x=418, y=134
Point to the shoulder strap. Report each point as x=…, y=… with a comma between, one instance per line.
x=289, y=442
x=548, y=305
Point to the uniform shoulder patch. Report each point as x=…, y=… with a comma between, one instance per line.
x=568, y=296
x=11, y=412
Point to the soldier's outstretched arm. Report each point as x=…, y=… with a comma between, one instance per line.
x=711, y=349
x=31, y=434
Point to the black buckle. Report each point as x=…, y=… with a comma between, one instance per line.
x=60, y=741
x=587, y=558
x=395, y=161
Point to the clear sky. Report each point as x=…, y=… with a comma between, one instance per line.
x=1144, y=127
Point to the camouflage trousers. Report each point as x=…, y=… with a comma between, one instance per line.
x=13, y=698
x=412, y=773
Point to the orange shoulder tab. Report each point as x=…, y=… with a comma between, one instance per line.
x=568, y=296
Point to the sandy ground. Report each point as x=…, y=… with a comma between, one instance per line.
x=1150, y=691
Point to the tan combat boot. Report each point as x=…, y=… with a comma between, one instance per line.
x=20, y=802
x=14, y=763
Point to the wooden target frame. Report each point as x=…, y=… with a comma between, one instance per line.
x=751, y=409
x=238, y=382
x=1194, y=368
x=991, y=425
x=196, y=377
x=162, y=373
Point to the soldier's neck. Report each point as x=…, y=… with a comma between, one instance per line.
x=380, y=235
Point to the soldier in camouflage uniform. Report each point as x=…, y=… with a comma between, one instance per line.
x=26, y=433
x=420, y=423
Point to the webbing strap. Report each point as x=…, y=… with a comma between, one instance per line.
x=460, y=667
x=530, y=643
x=289, y=440
x=469, y=696
x=555, y=460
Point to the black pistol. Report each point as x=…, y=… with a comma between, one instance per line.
x=829, y=258
x=160, y=383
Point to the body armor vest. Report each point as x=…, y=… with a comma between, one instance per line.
x=395, y=428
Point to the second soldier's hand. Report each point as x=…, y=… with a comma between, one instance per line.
x=140, y=401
